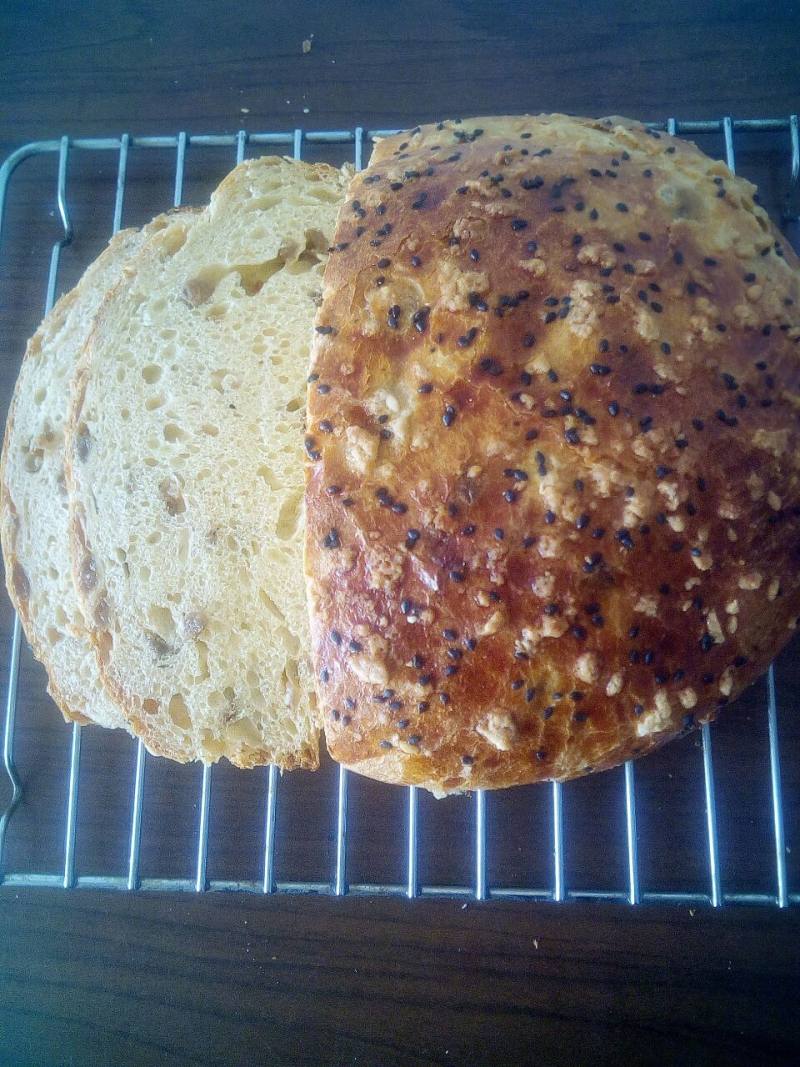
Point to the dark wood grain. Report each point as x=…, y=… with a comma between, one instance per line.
x=155, y=979
x=140, y=978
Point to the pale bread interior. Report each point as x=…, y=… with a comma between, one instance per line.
x=35, y=517
x=185, y=472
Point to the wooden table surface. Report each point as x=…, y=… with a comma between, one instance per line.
x=92, y=977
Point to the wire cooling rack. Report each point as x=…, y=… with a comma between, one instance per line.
x=784, y=133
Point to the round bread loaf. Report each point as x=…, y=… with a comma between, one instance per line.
x=552, y=478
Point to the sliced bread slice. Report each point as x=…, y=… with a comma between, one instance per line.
x=185, y=472
x=34, y=516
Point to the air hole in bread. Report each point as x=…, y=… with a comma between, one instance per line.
x=212, y=747
x=295, y=403
x=245, y=731
x=170, y=490
x=269, y=476
x=125, y=414
x=162, y=621
x=53, y=635
x=201, y=287
x=270, y=605
x=323, y=193
x=179, y=712
x=39, y=395
x=210, y=429
x=33, y=460
x=305, y=262
x=22, y=587
x=289, y=685
x=173, y=239
x=289, y=517
x=261, y=203
x=173, y=433
x=152, y=372
x=154, y=402
x=202, y=661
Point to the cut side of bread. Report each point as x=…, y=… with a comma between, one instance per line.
x=34, y=519
x=185, y=472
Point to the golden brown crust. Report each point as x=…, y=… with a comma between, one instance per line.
x=552, y=485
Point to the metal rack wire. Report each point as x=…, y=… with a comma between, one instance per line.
x=338, y=885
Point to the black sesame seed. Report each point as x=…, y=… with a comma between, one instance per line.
x=601, y=369
x=420, y=319
x=549, y=517
x=624, y=538
x=572, y=436
x=621, y=206
x=706, y=642
x=519, y=224
x=613, y=408
x=449, y=415
x=331, y=539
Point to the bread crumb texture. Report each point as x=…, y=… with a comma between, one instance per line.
x=185, y=466
x=34, y=518
x=552, y=438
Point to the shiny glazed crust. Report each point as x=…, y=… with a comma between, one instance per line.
x=552, y=478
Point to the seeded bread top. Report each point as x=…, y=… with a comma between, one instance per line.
x=552, y=475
